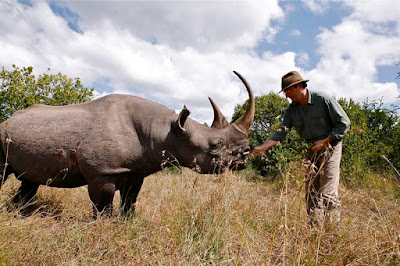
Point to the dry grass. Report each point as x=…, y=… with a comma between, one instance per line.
x=183, y=218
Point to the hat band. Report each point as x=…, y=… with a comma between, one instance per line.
x=296, y=81
x=291, y=84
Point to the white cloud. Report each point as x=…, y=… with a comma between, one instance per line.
x=352, y=51
x=179, y=53
x=202, y=25
x=295, y=32
x=173, y=52
x=317, y=6
x=350, y=55
x=302, y=58
x=376, y=11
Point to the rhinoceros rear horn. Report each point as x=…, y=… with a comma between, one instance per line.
x=244, y=122
x=219, y=119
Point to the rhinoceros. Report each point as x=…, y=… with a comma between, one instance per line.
x=114, y=142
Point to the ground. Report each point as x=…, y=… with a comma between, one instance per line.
x=183, y=218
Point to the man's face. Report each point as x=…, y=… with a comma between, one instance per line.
x=291, y=93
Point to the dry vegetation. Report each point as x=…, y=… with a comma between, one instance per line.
x=183, y=218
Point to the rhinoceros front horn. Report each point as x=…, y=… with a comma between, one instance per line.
x=244, y=122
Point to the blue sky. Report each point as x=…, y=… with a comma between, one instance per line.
x=299, y=29
x=307, y=24
x=181, y=52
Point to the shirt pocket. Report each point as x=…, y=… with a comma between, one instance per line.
x=298, y=124
x=317, y=120
x=319, y=126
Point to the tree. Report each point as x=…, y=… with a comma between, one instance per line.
x=357, y=142
x=383, y=124
x=21, y=89
x=374, y=132
x=269, y=112
x=398, y=77
x=398, y=73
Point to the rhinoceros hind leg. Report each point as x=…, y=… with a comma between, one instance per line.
x=102, y=195
x=25, y=194
x=129, y=195
x=3, y=177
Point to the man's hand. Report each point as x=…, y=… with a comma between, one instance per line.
x=320, y=144
x=256, y=151
x=263, y=147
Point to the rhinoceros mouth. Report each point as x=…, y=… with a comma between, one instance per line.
x=238, y=165
x=231, y=165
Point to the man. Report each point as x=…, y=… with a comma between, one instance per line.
x=320, y=120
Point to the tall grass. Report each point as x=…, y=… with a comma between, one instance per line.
x=183, y=218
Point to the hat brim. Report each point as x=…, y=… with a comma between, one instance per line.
x=294, y=83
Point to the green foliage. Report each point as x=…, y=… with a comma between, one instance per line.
x=277, y=160
x=374, y=132
x=356, y=143
x=21, y=89
x=269, y=110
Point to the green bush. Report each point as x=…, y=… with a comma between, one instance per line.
x=375, y=131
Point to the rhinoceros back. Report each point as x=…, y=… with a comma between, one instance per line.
x=64, y=145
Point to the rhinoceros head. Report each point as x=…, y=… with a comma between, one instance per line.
x=219, y=147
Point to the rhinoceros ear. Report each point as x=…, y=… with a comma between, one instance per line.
x=180, y=123
x=219, y=119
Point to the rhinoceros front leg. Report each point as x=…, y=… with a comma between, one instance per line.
x=129, y=195
x=25, y=194
x=101, y=193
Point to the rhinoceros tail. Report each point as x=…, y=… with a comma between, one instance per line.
x=5, y=168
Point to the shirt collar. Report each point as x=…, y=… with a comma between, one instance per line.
x=311, y=99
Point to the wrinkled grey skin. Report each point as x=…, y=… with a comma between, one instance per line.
x=113, y=143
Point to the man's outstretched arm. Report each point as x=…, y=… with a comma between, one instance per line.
x=263, y=147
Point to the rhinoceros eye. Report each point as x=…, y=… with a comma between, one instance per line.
x=216, y=144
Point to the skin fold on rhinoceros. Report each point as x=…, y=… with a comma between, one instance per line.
x=113, y=143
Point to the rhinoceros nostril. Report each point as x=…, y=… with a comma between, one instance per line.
x=248, y=150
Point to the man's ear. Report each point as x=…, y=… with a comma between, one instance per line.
x=179, y=126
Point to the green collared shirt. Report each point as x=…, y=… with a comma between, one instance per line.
x=322, y=117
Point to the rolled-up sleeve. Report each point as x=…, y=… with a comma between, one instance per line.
x=341, y=122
